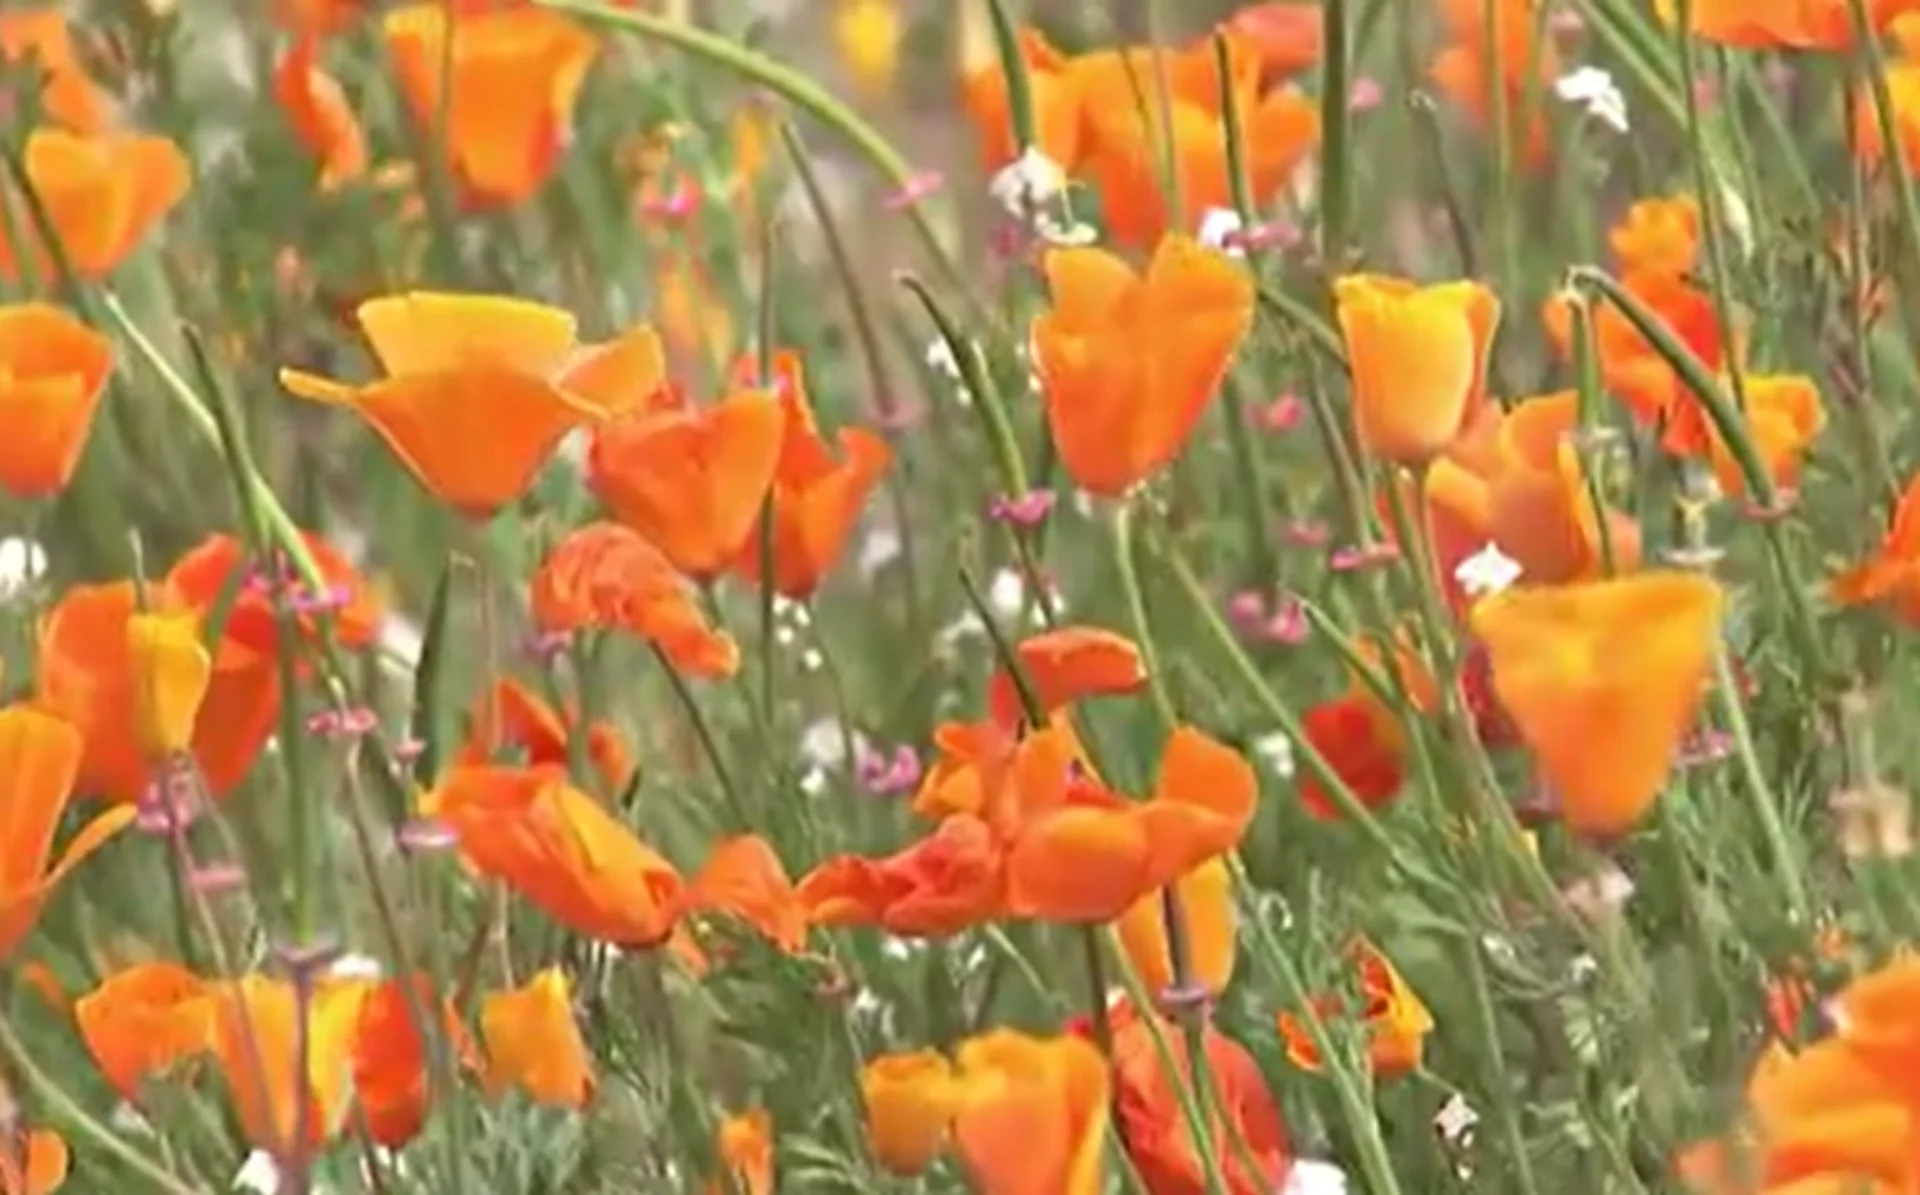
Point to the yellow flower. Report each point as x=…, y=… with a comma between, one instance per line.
x=171, y=669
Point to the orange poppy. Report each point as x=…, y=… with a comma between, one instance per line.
x=910, y=1101
x=1903, y=92
x=984, y=769
x=1285, y=38
x=143, y=1021
x=1391, y=1014
x=743, y=879
x=1608, y=670
x=816, y=498
x=1085, y=853
x=1032, y=1114
x=533, y=1043
x=744, y=1147
x=1782, y=24
x=1208, y=920
x=39, y=757
x=692, y=480
x=561, y=850
x=53, y=370
x=605, y=576
x=1056, y=106
x=949, y=881
x=1659, y=236
x=1539, y=509
x=203, y=575
x=88, y=675
x=44, y=37
x=1784, y=416
x=37, y=1165
x=1892, y=574
x=528, y=724
x=390, y=1059
x=1364, y=746
x=317, y=108
x=171, y=671
x=1147, y=1104
x=103, y=194
x=513, y=368
x=1127, y=362
x=515, y=75
x=1464, y=74
x=1418, y=356
x=259, y=1044
x=1064, y=666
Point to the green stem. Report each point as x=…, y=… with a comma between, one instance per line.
x=1766, y=807
x=1867, y=39
x=1334, y=131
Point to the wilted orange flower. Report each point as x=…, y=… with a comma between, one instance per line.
x=562, y=850
x=103, y=194
x=1784, y=416
x=533, y=1043
x=53, y=369
x=1391, y=1014
x=1659, y=236
x=89, y=676
x=37, y=1166
x=744, y=1144
x=1127, y=362
x=171, y=671
x=1033, y=1113
x=743, y=878
x=607, y=577
x=1419, y=361
x=480, y=388
x=515, y=76
x=390, y=1058
x=1209, y=922
x=1085, y=853
x=1892, y=574
x=951, y=880
x=1364, y=746
x=317, y=108
x=259, y=1043
x=1066, y=665
x=691, y=480
x=1056, y=106
x=529, y=725
x=910, y=1100
x=816, y=498
x=1283, y=36
x=1463, y=72
x=205, y=572
x=144, y=1020
x=44, y=37
x=1609, y=670
x=1781, y=24
x=1240, y=1108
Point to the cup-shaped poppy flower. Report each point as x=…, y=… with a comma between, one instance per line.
x=533, y=1043
x=259, y=1042
x=390, y=1058
x=36, y=1165
x=44, y=37
x=103, y=194
x=1784, y=416
x=1066, y=665
x=1781, y=24
x=89, y=675
x=1539, y=507
x=743, y=1146
x=985, y=771
x=40, y=757
x=1389, y=1012
x=1033, y=1113
x=1609, y=670
x=910, y=1100
x=691, y=480
x=560, y=849
x=605, y=576
x=515, y=75
x=1474, y=61
x=316, y=107
x=1419, y=359
x=1660, y=235
x=143, y=1021
x=817, y=495
x=479, y=389
x=1128, y=361
x=1362, y=744
x=1084, y=853
x=742, y=878
x=171, y=672
x=1208, y=921
x=1056, y=106
x=53, y=370
x=949, y=881
x=1891, y=575
x=1151, y=1122
x=526, y=724
x=206, y=574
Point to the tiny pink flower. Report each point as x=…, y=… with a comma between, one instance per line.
x=1353, y=557
x=427, y=834
x=918, y=186
x=1283, y=414
x=1365, y=95
x=211, y=878
x=675, y=204
x=1273, y=235
x=342, y=723
x=1306, y=533
x=1027, y=511
x=888, y=775
x=1247, y=610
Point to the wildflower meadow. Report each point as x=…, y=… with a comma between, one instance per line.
x=1029, y=597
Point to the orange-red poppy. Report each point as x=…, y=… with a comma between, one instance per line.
x=1364, y=746
x=1284, y=36
x=560, y=849
x=316, y=106
x=1056, y=106
x=1784, y=416
x=102, y=194
x=1464, y=73
x=1208, y=922
x=1033, y=1113
x=53, y=370
x=986, y=771
x=144, y=1020
x=1128, y=361
x=691, y=480
x=264, y=1029
x=744, y=1146
x=1611, y=670
x=527, y=724
x=1418, y=356
x=605, y=576
x=1660, y=236
x=515, y=75
x=1891, y=575
x=1066, y=665
x=743, y=879
x=479, y=389
x=43, y=37
x=910, y=1099
x=949, y=881
x=533, y=1042
x=1782, y=24
x=88, y=676
x=1085, y=853
x=171, y=670
x=390, y=1058
x=205, y=573
x=1390, y=1013
x=37, y=1165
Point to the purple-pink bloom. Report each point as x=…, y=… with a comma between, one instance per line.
x=1027, y=511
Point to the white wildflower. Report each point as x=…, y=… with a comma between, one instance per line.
x=880, y=548
x=1594, y=90
x=258, y=1174
x=355, y=966
x=1218, y=226
x=823, y=744
x=1308, y=1177
x=1455, y=1119
x=1487, y=572
x=22, y=563
x=1275, y=750
x=1030, y=183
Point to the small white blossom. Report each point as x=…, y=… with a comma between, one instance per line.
x=940, y=358
x=1008, y=593
x=1487, y=572
x=1455, y=1119
x=1593, y=89
x=355, y=966
x=880, y=548
x=1074, y=235
x=1275, y=750
x=811, y=660
x=258, y=1174
x=1217, y=226
x=1309, y=1177
x=1602, y=893
x=813, y=782
x=22, y=563
x=130, y=1120
x=823, y=744
x=1027, y=184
